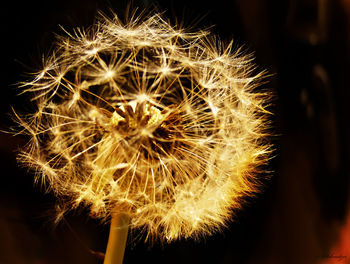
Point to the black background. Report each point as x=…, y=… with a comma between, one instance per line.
x=297, y=217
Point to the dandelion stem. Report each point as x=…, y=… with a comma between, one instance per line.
x=117, y=239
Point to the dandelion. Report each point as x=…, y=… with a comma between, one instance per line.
x=150, y=122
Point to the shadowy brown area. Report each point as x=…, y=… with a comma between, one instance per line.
x=302, y=216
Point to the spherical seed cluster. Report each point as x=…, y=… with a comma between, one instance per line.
x=149, y=120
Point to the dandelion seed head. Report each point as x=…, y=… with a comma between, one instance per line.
x=149, y=120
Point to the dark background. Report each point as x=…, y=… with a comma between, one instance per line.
x=301, y=213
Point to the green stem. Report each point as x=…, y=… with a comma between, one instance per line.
x=117, y=239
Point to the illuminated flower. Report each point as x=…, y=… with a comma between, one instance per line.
x=151, y=121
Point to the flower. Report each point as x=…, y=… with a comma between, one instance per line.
x=148, y=120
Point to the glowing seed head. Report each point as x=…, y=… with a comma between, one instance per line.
x=149, y=120
x=109, y=74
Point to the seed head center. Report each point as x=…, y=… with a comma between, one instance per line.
x=144, y=125
x=137, y=116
